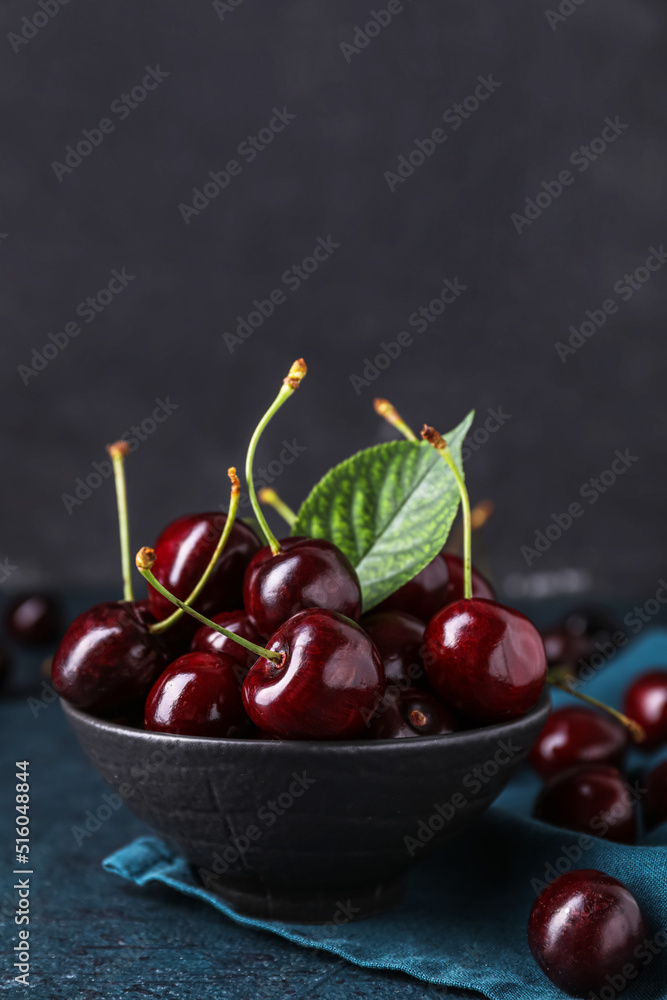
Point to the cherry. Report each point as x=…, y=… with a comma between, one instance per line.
x=411, y=712
x=328, y=680
x=304, y=573
x=197, y=695
x=654, y=802
x=584, y=928
x=208, y=640
x=108, y=658
x=591, y=798
x=438, y=584
x=575, y=637
x=398, y=639
x=563, y=648
x=574, y=736
x=33, y=619
x=183, y=552
x=592, y=622
x=646, y=703
x=484, y=660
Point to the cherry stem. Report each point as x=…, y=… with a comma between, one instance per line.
x=270, y=498
x=166, y=623
x=117, y=452
x=386, y=409
x=636, y=731
x=145, y=560
x=291, y=382
x=438, y=442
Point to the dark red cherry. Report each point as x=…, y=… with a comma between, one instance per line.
x=584, y=928
x=108, y=658
x=398, y=639
x=197, y=695
x=591, y=798
x=654, y=801
x=183, y=551
x=577, y=735
x=484, y=660
x=34, y=619
x=564, y=649
x=646, y=703
x=411, y=712
x=438, y=584
x=207, y=640
x=329, y=682
x=306, y=573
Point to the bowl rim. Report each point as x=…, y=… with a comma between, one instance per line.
x=460, y=738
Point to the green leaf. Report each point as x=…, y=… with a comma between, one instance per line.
x=389, y=508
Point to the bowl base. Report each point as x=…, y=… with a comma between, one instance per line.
x=334, y=907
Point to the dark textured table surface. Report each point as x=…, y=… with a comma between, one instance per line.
x=96, y=937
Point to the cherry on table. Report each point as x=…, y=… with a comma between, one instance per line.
x=408, y=713
x=328, y=681
x=198, y=695
x=646, y=703
x=584, y=927
x=484, y=660
x=108, y=659
x=305, y=573
x=34, y=618
x=207, y=640
x=398, y=638
x=654, y=800
x=590, y=798
x=577, y=735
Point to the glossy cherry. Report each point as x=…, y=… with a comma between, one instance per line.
x=484, y=660
x=398, y=639
x=438, y=584
x=411, y=712
x=584, y=927
x=305, y=573
x=183, y=551
x=654, y=800
x=591, y=798
x=330, y=679
x=207, y=640
x=108, y=658
x=34, y=619
x=197, y=695
x=646, y=703
x=577, y=735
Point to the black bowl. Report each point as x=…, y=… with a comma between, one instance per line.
x=304, y=830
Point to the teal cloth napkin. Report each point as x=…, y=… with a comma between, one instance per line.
x=463, y=919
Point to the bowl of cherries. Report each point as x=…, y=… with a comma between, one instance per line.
x=289, y=713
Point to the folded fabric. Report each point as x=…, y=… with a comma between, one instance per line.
x=463, y=919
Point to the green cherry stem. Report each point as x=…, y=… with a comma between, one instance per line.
x=438, y=442
x=145, y=560
x=565, y=684
x=166, y=623
x=290, y=384
x=117, y=452
x=385, y=409
x=270, y=498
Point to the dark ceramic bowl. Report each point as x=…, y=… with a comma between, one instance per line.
x=307, y=831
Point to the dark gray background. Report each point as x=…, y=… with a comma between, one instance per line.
x=162, y=337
